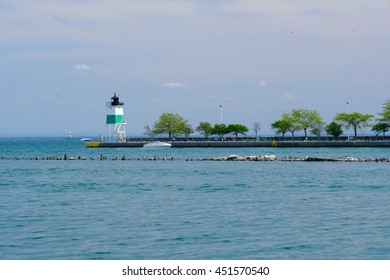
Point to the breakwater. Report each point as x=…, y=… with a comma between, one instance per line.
x=226, y=158
x=101, y=157
x=248, y=144
x=294, y=159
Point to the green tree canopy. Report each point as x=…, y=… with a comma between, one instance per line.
x=220, y=130
x=355, y=119
x=382, y=124
x=237, y=129
x=171, y=124
x=306, y=119
x=385, y=114
x=381, y=127
x=292, y=124
x=280, y=127
x=334, y=129
x=204, y=128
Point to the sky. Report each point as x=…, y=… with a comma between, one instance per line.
x=61, y=60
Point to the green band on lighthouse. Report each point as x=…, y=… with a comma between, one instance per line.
x=113, y=119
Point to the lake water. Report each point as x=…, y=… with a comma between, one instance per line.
x=188, y=209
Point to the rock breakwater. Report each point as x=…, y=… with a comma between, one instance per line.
x=287, y=158
x=242, y=158
x=226, y=158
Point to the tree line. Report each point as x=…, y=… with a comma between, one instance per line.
x=173, y=125
x=308, y=121
x=304, y=119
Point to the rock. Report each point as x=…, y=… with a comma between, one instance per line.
x=233, y=157
x=270, y=158
x=251, y=158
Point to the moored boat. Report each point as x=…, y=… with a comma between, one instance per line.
x=156, y=145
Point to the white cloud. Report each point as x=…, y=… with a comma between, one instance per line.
x=262, y=83
x=82, y=67
x=288, y=97
x=175, y=85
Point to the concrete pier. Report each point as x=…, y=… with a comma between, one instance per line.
x=247, y=144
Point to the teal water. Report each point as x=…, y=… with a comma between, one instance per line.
x=188, y=209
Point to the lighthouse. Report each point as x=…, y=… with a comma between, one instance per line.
x=115, y=120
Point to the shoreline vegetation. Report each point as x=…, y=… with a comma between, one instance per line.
x=303, y=120
x=246, y=143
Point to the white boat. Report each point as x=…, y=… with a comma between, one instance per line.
x=86, y=139
x=156, y=145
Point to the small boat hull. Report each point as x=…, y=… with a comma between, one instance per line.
x=156, y=145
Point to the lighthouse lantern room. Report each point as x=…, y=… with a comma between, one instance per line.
x=115, y=120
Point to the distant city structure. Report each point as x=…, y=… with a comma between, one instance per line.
x=115, y=120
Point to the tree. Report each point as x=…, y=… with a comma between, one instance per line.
x=317, y=128
x=220, y=130
x=306, y=118
x=204, y=128
x=237, y=129
x=385, y=114
x=292, y=124
x=187, y=130
x=355, y=119
x=256, y=127
x=381, y=127
x=281, y=127
x=171, y=124
x=149, y=131
x=334, y=129
x=383, y=123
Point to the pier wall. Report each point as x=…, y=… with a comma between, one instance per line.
x=247, y=144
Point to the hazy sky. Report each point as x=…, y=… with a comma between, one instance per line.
x=61, y=60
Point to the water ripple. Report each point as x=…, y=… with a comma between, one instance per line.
x=193, y=210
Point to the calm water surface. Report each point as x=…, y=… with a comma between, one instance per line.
x=185, y=209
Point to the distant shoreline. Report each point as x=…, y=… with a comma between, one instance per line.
x=248, y=144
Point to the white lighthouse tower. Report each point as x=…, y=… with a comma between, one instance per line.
x=115, y=120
